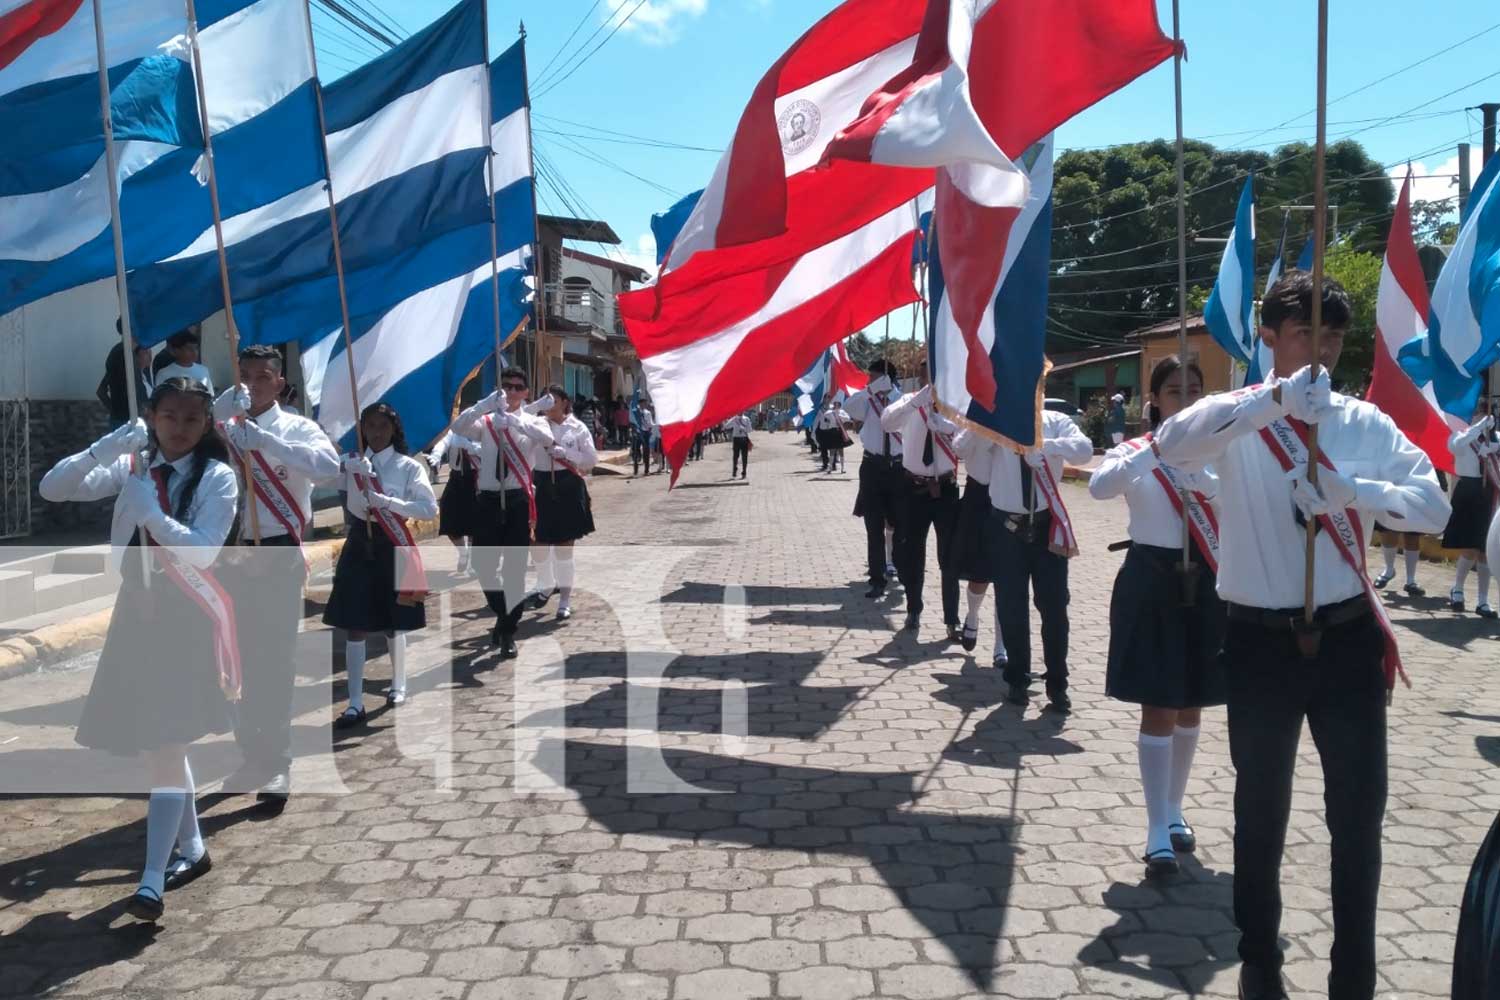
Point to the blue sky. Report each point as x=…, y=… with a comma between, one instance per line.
x=680, y=71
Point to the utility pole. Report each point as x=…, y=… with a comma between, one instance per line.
x=1489, y=111
x=1465, y=182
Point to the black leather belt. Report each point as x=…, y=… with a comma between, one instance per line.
x=497, y=494
x=287, y=540
x=946, y=477
x=883, y=460
x=1291, y=619
x=1030, y=527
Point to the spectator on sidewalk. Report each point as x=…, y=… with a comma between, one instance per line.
x=113, y=392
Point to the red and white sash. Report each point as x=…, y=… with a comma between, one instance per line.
x=1287, y=439
x=1202, y=521
x=875, y=405
x=411, y=577
x=1061, y=540
x=271, y=492
x=205, y=591
x=940, y=439
x=507, y=444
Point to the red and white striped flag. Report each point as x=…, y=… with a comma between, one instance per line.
x=768, y=183
x=1401, y=312
x=843, y=374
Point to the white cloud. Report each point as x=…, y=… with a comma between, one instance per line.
x=642, y=255
x=1436, y=181
x=656, y=22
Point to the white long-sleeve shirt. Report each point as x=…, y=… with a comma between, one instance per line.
x=1062, y=444
x=196, y=540
x=455, y=449
x=913, y=420
x=977, y=461
x=403, y=479
x=301, y=455
x=872, y=437
x=739, y=426
x=1465, y=459
x=1153, y=517
x=474, y=424
x=576, y=441
x=1261, y=545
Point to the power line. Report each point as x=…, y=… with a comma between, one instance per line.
x=590, y=54
x=643, y=140
x=571, y=35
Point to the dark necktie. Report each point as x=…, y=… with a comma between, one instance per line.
x=1028, y=498
x=927, y=450
x=500, y=463
x=885, y=439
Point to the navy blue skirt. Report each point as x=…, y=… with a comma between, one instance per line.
x=1161, y=653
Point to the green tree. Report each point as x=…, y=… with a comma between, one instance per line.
x=1114, y=244
x=1359, y=272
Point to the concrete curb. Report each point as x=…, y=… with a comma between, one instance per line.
x=31, y=651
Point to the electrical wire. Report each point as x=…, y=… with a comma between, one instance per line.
x=554, y=83
x=641, y=139
x=571, y=35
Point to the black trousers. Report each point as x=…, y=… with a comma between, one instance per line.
x=1021, y=565
x=1341, y=694
x=923, y=513
x=502, y=537
x=740, y=459
x=880, y=495
x=268, y=606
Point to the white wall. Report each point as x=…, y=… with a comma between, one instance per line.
x=603, y=280
x=68, y=335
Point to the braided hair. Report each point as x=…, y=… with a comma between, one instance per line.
x=398, y=432
x=210, y=447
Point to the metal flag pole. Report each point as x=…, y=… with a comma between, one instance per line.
x=231, y=329
x=1320, y=228
x=127, y=341
x=1182, y=349
x=338, y=251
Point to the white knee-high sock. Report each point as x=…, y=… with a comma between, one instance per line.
x=890, y=544
x=163, y=817
x=1389, y=551
x=1483, y=572
x=354, y=672
x=398, y=662
x=189, y=838
x=1184, y=746
x=976, y=601
x=1462, y=576
x=566, y=571
x=1155, y=754
x=1412, y=558
x=546, y=579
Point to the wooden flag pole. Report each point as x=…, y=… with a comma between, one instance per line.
x=338, y=255
x=1320, y=229
x=127, y=341
x=230, y=327
x=1182, y=341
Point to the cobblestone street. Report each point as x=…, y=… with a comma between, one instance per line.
x=882, y=826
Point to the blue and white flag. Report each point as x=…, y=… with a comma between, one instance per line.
x=407, y=141
x=809, y=391
x=258, y=87
x=1261, y=363
x=1305, y=258
x=666, y=225
x=1231, y=306
x=424, y=318
x=1007, y=355
x=1463, y=329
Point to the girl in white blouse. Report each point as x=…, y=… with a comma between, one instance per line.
x=375, y=587
x=164, y=679
x=1165, y=630
x=565, y=456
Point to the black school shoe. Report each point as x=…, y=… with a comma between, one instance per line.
x=145, y=905
x=1019, y=694
x=1183, y=838
x=1161, y=864
x=182, y=871
x=508, y=650
x=1256, y=984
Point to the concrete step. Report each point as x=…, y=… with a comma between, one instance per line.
x=88, y=559
x=56, y=590
x=17, y=598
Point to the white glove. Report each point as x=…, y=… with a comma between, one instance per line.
x=1141, y=461
x=492, y=403
x=359, y=465
x=882, y=384
x=1333, y=494
x=560, y=453
x=435, y=460
x=1307, y=395
x=246, y=435
x=123, y=440
x=541, y=405
x=379, y=501
x=1489, y=447
x=923, y=396
x=1485, y=423
x=1034, y=457
x=138, y=500
x=232, y=402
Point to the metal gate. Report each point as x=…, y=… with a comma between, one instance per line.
x=15, y=429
